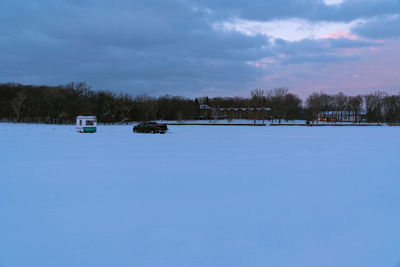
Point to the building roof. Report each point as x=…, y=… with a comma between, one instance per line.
x=86, y=117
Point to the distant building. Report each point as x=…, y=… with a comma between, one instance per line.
x=340, y=116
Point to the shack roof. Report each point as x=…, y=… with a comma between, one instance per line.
x=86, y=117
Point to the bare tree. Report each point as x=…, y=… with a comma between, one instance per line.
x=276, y=98
x=391, y=107
x=374, y=106
x=319, y=102
x=355, y=105
x=145, y=105
x=17, y=104
x=257, y=98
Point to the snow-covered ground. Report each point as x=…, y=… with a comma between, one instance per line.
x=200, y=196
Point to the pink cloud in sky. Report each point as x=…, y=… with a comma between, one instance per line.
x=378, y=69
x=341, y=34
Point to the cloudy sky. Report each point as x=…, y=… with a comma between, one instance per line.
x=203, y=47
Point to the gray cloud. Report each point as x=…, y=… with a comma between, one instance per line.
x=381, y=27
x=319, y=51
x=307, y=9
x=130, y=45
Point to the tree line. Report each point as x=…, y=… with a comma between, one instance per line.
x=373, y=107
x=62, y=104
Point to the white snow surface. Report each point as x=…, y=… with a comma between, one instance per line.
x=200, y=196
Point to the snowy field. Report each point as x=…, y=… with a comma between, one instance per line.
x=200, y=196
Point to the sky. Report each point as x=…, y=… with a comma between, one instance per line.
x=203, y=47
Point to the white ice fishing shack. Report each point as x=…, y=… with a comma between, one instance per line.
x=86, y=124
